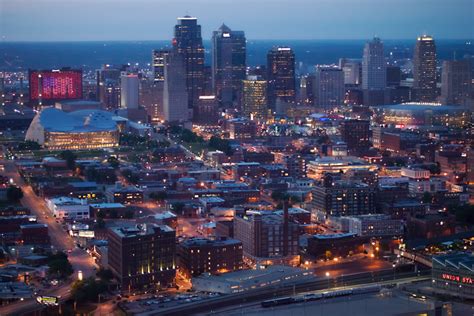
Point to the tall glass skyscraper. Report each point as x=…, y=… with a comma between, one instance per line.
x=254, y=97
x=188, y=42
x=281, y=75
x=228, y=63
x=424, y=69
x=373, y=66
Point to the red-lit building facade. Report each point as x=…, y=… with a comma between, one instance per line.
x=49, y=86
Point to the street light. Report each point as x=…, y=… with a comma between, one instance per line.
x=393, y=266
x=327, y=276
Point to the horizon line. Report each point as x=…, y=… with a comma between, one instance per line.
x=248, y=40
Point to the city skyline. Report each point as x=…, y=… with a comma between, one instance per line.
x=30, y=21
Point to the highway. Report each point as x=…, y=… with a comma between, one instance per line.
x=60, y=240
x=211, y=305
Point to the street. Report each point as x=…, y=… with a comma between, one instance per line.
x=60, y=240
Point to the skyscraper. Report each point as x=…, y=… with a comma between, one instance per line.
x=175, y=95
x=455, y=81
x=129, y=86
x=207, y=111
x=328, y=87
x=228, y=63
x=108, y=86
x=151, y=96
x=188, y=42
x=158, y=60
x=351, y=69
x=424, y=69
x=254, y=97
x=373, y=66
x=281, y=75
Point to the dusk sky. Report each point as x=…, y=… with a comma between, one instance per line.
x=82, y=20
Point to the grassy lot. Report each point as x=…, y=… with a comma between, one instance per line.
x=196, y=148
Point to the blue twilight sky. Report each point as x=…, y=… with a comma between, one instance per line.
x=82, y=20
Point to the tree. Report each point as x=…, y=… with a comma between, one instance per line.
x=221, y=144
x=178, y=207
x=29, y=145
x=70, y=158
x=59, y=265
x=105, y=274
x=427, y=197
x=158, y=196
x=88, y=290
x=464, y=213
x=113, y=162
x=100, y=223
x=130, y=176
x=14, y=194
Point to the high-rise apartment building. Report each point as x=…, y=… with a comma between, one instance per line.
x=199, y=255
x=188, y=42
x=328, y=87
x=456, y=81
x=424, y=69
x=264, y=236
x=228, y=63
x=343, y=198
x=254, y=97
x=281, y=75
x=142, y=257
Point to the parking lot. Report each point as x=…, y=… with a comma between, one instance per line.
x=164, y=301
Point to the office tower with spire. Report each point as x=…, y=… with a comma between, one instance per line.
x=281, y=75
x=228, y=64
x=424, y=69
x=456, y=81
x=175, y=92
x=188, y=42
x=254, y=97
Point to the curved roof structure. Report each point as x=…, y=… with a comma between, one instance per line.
x=54, y=120
x=86, y=129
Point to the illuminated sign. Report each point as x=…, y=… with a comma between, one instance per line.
x=457, y=278
x=225, y=35
x=55, y=84
x=86, y=233
x=48, y=300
